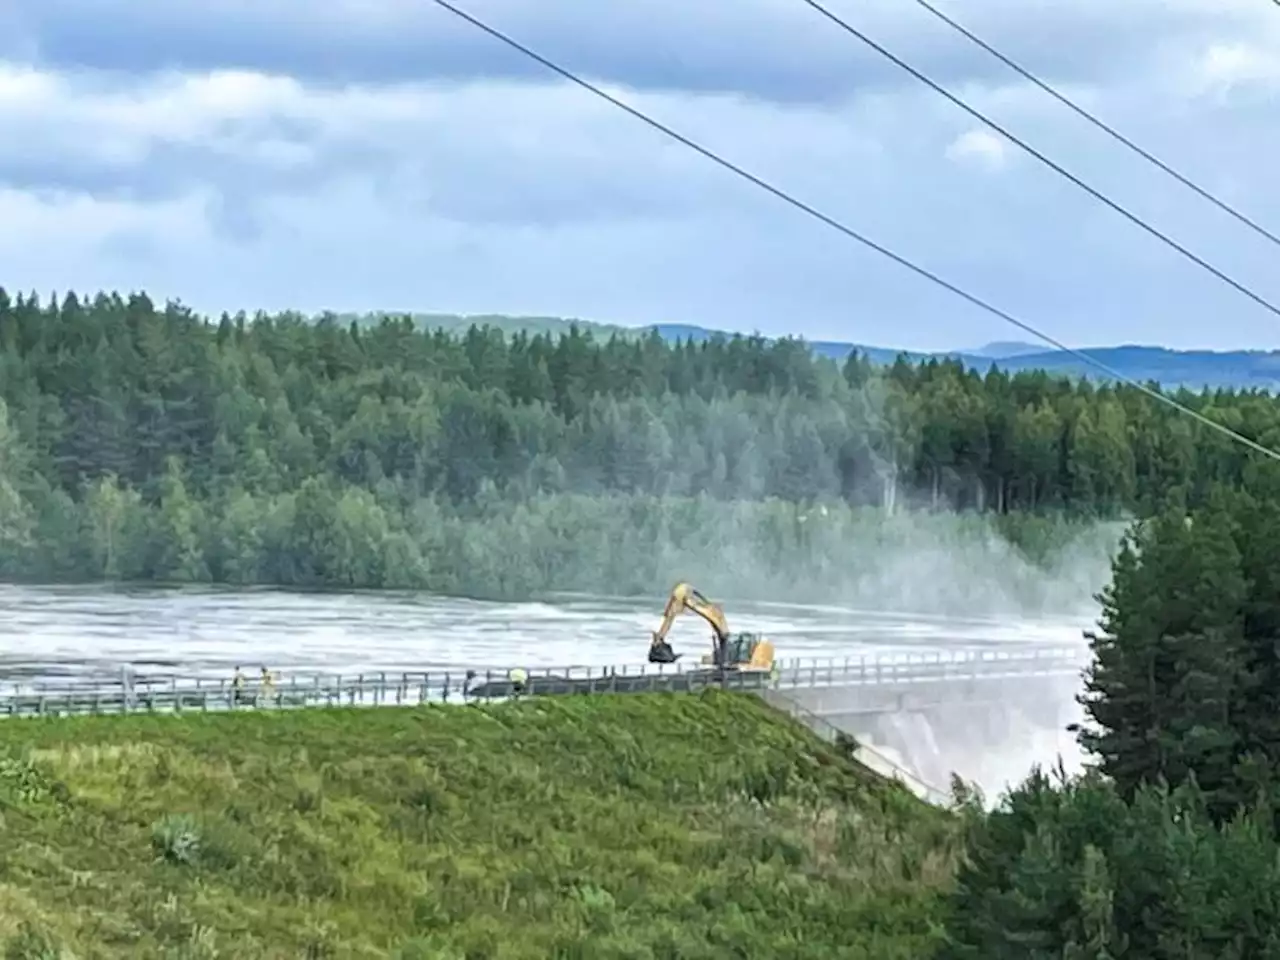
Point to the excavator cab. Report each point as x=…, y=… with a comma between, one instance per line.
x=749, y=651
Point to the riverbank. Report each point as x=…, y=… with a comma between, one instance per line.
x=516, y=549
x=595, y=827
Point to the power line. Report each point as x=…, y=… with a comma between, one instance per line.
x=1057, y=168
x=849, y=231
x=1105, y=128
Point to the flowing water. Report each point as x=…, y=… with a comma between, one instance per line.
x=86, y=632
x=49, y=634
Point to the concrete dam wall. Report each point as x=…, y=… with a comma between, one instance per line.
x=989, y=730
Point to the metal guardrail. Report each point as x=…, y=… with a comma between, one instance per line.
x=926, y=668
x=177, y=693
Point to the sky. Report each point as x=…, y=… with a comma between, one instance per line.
x=359, y=155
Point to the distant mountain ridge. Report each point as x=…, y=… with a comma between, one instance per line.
x=1003, y=349
x=1194, y=369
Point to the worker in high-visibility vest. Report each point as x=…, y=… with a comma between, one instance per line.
x=519, y=678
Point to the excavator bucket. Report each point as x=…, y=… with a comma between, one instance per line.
x=661, y=652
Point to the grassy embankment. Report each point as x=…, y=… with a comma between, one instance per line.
x=656, y=826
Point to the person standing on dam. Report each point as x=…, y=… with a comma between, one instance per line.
x=267, y=687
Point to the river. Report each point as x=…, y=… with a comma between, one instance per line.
x=90, y=632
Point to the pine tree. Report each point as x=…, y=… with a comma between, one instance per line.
x=1169, y=658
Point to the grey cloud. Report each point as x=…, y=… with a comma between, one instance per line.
x=879, y=166
x=167, y=170
x=471, y=181
x=771, y=49
x=486, y=156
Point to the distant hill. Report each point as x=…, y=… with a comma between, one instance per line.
x=1003, y=349
x=1240, y=369
x=1195, y=369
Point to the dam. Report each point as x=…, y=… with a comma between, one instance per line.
x=953, y=719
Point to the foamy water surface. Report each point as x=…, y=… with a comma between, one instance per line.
x=48, y=632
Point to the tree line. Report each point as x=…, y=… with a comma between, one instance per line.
x=147, y=441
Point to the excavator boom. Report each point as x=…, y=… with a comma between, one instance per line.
x=684, y=597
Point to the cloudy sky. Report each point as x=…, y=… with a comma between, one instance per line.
x=381, y=154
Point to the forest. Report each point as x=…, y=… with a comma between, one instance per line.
x=1168, y=847
x=141, y=441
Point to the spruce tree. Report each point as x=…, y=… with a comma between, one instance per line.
x=1168, y=659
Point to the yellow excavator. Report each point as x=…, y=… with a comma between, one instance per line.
x=744, y=651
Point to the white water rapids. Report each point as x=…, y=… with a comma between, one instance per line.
x=50, y=632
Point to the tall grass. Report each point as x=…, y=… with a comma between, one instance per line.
x=604, y=827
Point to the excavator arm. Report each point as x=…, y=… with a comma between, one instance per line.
x=684, y=597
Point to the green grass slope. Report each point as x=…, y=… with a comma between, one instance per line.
x=655, y=826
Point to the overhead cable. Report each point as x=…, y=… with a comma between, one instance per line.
x=1101, y=125
x=1057, y=168
x=851, y=233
